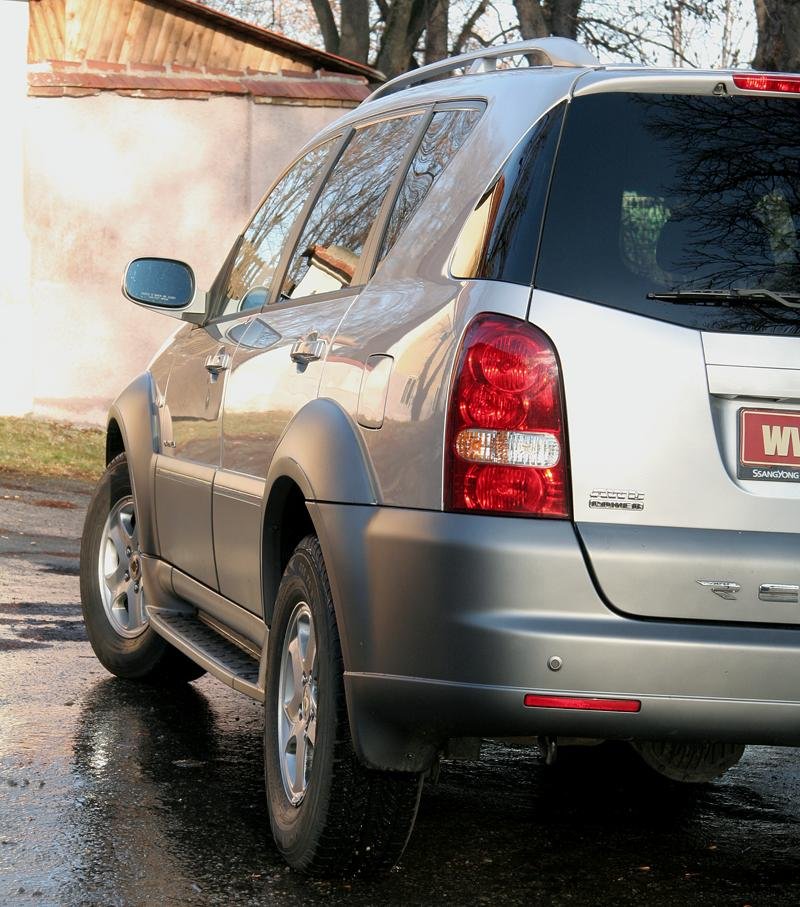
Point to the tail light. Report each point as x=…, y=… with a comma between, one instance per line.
x=506, y=448
x=761, y=81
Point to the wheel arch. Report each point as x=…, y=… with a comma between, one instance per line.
x=132, y=428
x=321, y=457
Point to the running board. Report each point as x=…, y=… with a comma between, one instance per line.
x=218, y=655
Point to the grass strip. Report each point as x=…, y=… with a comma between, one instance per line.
x=37, y=447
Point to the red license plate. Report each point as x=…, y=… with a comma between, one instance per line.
x=769, y=445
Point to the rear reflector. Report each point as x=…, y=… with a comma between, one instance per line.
x=763, y=82
x=535, y=701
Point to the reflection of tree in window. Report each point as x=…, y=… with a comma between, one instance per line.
x=681, y=192
x=444, y=136
x=262, y=244
x=731, y=177
x=333, y=239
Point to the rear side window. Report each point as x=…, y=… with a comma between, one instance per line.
x=500, y=237
x=445, y=134
x=259, y=251
x=333, y=239
x=669, y=193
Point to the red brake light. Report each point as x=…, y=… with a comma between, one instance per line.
x=760, y=81
x=506, y=447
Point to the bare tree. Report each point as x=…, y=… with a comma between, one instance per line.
x=397, y=35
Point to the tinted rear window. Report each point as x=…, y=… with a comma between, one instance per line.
x=657, y=193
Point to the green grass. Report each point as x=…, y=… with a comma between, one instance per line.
x=34, y=447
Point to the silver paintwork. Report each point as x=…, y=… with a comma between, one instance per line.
x=297, y=703
x=120, y=573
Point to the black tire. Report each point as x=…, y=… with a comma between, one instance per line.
x=352, y=820
x=688, y=763
x=147, y=656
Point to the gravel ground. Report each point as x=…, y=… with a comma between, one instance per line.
x=116, y=794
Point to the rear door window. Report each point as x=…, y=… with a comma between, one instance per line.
x=658, y=194
x=334, y=237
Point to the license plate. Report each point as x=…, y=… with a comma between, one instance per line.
x=769, y=445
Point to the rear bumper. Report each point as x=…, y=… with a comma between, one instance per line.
x=447, y=620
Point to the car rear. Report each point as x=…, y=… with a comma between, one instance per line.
x=668, y=278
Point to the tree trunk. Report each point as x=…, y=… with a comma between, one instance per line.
x=532, y=22
x=354, y=31
x=401, y=34
x=327, y=25
x=564, y=18
x=778, y=35
x=436, y=32
x=550, y=17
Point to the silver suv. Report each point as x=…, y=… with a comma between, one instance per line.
x=489, y=426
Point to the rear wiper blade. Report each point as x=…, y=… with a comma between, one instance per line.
x=730, y=297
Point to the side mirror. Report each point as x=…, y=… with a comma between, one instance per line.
x=166, y=285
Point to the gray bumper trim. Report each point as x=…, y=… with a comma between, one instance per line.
x=447, y=619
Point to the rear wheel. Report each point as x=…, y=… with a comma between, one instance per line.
x=689, y=763
x=113, y=597
x=330, y=816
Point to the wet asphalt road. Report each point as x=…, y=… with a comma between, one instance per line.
x=116, y=794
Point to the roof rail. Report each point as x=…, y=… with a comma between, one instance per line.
x=559, y=51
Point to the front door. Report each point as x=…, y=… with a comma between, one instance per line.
x=191, y=448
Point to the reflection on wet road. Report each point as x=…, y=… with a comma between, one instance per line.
x=117, y=794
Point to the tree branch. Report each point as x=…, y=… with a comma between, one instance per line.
x=467, y=29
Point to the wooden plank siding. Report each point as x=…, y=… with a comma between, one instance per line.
x=46, y=31
x=150, y=32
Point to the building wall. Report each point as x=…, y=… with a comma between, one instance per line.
x=16, y=395
x=109, y=178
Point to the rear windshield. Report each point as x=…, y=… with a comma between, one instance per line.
x=664, y=193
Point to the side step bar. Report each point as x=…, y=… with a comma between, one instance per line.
x=218, y=655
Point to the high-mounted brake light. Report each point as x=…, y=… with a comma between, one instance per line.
x=760, y=81
x=581, y=703
x=506, y=449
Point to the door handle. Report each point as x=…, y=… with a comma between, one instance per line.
x=307, y=349
x=218, y=362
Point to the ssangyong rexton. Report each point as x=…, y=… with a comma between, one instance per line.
x=489, y=426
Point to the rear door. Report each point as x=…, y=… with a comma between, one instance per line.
x=683, y=410
x=278, y=365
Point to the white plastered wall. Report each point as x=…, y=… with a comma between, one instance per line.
x=16, y=382
x=109, y=178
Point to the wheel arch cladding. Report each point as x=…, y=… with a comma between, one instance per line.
x=321, y=457
x=133, y=423
x=323, y=453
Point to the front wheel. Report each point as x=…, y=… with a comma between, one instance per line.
x=113, y=596
x=330, y=815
